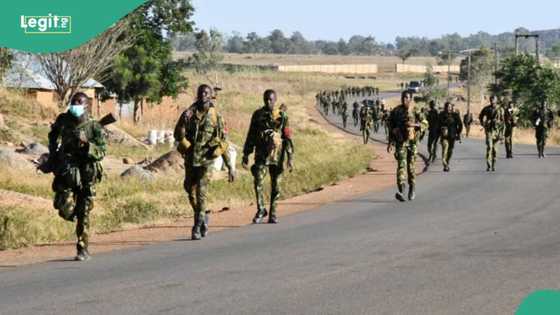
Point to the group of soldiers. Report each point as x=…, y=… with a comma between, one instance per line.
x=368, y=110
x=79, y=143
x=77, y=146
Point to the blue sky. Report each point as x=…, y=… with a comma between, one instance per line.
x=383, y=19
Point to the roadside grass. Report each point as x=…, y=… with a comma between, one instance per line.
x=320, y=160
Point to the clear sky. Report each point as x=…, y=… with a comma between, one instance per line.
x=384, y=20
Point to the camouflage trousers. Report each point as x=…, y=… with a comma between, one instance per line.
x=406, y=164
x=344, y=120
x=196, y=186
x=541, y=135
x=467, y=130
x=492, y=139
x=433, y=137
x=259, y=171
x=365, y=133
x=447, y=146
x=508, y=140
x=76, y=204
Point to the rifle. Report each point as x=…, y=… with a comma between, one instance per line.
x=47, y=162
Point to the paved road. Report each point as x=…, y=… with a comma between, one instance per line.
x=472, y=243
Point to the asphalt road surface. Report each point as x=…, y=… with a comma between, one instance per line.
x=472, y=243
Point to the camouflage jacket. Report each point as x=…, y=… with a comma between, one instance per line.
x=269, y=137
x=205, y=133
x=433, y=120
x=492, y=118
x=451, y=125
x=64, y=139
x=510, y=117
x=399, y=134
x=543, y=119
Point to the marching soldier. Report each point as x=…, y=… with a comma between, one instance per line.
x=269, y=137
x=468, y=120
x=365, y=122
x=543, y=120
x=201, y=138
x=405, y=125
x=510, y=122
x=344, y=113
x=451, y=129
x=78, y=144
x=433, y=131
x=492, y=120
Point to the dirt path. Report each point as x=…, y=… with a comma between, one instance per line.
x=380, y=176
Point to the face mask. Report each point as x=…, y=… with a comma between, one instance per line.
x=77, y=110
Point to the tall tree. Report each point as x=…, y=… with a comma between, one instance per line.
x=208, y=51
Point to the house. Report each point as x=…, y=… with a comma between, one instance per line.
x=26, y=75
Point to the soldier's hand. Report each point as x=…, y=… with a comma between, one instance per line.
x=83, y=138
x=231, y=176
x=290, y=166
x=245, y=162
x=389, y=148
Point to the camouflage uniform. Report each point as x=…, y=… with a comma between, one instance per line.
x=433, y=133
x=510, y=122
x=451, y=129
x=201, y=138
x=78, y=169
x=405, y=142
x=344, y=114
x=467, y=122
x=269, y=137
x=492, y=119
x=543, y=120
x=365, y=122
x=356, y=113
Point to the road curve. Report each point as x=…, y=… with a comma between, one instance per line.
x=472, y=243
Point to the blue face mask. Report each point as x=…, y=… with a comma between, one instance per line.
x=77, y=110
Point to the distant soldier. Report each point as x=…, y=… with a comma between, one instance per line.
x=492, y=120
x=468, y=120
x=510, y=122
x=405, y=125
x=269, y=137
x=200, y=134
x=356, y=113
x=451, y=128
x=543, y=121
x=344, y=113
x=432, y=117
x=365, y=122
x=376, y=116
x=79, y=145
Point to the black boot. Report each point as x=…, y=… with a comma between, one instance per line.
x=411, y=192
x=204, y=226
x=196, y=235
x=82, y=255
x=259, y=216
x=400, y=193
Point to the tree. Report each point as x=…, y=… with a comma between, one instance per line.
x=482, y=70
x=405, y=54
x=146, y=70
x=235, y=44
x=6, y=58
x=529, y=82
x=432, y=89
x=208, y=51
x=69, y=70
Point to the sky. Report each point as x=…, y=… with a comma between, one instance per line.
x=385, y=20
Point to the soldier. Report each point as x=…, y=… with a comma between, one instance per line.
x=269, y=137
x=405, y=125
x=433, y=131
x=356, y=113
x=201, y=138
x=344, y=113
x=510, y=122
x=543, y=120
x=468, y=119
x=365, y=122
x=375, y=116
x=78, y=144
x=451, y=129
x=492, y=120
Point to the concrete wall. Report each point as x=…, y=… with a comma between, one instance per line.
x=403, y=68
x=347, y=69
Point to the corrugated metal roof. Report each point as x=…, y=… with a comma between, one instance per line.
x=26, y=73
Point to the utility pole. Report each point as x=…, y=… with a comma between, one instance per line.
x=469, y=83
x=497, y=63
x=537, y=46
x=448, y=72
